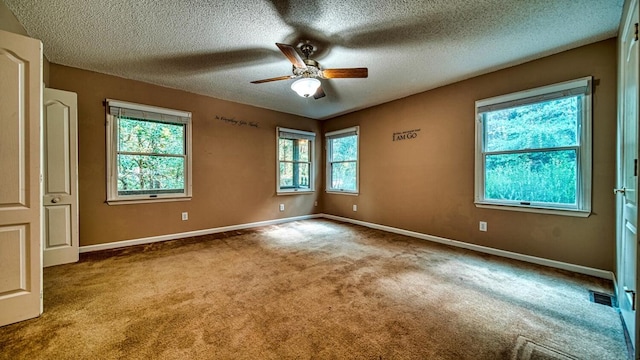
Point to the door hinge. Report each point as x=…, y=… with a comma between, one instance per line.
x=635, y=36
x=635, y=167
x=631, y=296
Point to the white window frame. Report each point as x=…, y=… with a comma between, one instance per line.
x=115, y=108
x=284, y=133
x=581, y=86
x=355, y=130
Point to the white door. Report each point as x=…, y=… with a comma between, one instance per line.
x=627, y=209
x=60, y=162
x=20, y=199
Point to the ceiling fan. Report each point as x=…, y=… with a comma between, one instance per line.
x=308, y=71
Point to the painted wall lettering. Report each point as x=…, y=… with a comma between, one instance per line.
x=406, y=135
x=233, y=121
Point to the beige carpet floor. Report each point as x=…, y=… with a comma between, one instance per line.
x=313, y=289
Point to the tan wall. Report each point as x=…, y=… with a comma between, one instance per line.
x=426, y=184
x=9, y=22
x=233, y=166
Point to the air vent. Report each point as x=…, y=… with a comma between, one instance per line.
x=602, y=298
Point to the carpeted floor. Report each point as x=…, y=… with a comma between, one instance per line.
x=313, y=289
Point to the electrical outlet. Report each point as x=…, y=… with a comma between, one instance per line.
x=355, y=207
x=315, y=203
x=185, y=216
x=483, y=226
x=281, y=207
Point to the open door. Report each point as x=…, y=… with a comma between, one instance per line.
x=60, y=190
x=627, y=177
x=20, y=194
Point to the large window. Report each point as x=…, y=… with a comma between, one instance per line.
x=148, y=153
x=295, y=166
x=533, y=150
x=342, y=160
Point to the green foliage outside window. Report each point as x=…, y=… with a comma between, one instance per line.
x=548, y=177
x=150, y=157
x=295, y=163
x=531, y=152
x=344, y=157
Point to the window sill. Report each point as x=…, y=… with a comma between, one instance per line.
x=568, y=212
x=146, y=200
x=294, y=192
x=343, y=192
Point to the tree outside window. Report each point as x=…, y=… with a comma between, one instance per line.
x=342, y=160
x=295, y=153
x=150, y=156
x=533, y=148
x=148, y=153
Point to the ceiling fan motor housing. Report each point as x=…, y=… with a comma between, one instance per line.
x=312, y=70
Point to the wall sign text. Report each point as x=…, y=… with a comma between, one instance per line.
x=233, y=121
x=405, y=135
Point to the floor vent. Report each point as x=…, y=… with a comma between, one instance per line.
x=602, y=298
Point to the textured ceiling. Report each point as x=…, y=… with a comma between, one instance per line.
x=216, y=48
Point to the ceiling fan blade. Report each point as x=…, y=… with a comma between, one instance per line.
x=286, y=77
x=319, y=93
x=292, y=55
x=345, y=73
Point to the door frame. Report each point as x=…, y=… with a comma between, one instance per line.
x=626, y=24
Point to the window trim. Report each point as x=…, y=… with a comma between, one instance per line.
x=147, y=112
x=584, y=155
x=354, y=130
x=311, y=136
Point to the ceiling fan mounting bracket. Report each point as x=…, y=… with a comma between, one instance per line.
x=307, y=49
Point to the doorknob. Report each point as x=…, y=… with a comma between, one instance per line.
x=55, y=200
x=619, y=191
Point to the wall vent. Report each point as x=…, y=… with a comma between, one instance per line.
x=602, y=298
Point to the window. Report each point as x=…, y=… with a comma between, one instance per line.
x=295, y=168
x=533, y=150
x=342, y=160
x=148, y=153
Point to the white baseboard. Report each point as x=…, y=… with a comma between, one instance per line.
x=615, y=286
x=483, y=249
x=152, y=239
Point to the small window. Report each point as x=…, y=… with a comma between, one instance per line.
x=148, y=153
x=295, y=165
x=342, y=160
x=533, y=150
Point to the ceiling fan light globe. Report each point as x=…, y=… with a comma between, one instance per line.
x=306, y=87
